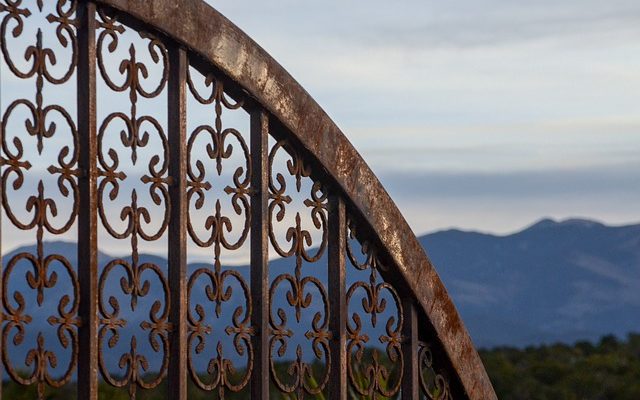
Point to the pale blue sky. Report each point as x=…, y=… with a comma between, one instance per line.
x=476, y=114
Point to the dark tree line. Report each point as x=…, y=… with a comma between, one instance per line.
x=606, y=370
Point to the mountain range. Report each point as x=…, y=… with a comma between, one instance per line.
x=555, y=281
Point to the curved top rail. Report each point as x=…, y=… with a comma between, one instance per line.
x=206, y=32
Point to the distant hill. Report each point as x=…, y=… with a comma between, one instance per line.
x=554, y=281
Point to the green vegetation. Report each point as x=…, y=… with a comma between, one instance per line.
x=13, y=391
x=608, y=370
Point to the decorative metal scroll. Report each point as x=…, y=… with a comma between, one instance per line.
x=212, y=228
x=306, y=295
x=334, y=313
x=374, y=356
x=433, y=386
x=39, y=284
x=130, y=277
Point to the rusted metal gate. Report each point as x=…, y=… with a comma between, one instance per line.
x=166, y=149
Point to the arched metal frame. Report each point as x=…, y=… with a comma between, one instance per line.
x=191, y=33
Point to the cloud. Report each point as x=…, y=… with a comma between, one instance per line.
x=587, y=181
x=474, y=113
x=492, y=23
x=506, y=202
x=415, y=24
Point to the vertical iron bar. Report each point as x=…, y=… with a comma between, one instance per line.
x=259, y=252
x=337, y=297
x=410, y=383
x=87, y=206
x=1, y=254
x=177, y=126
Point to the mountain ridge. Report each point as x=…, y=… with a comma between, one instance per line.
x=552, y=281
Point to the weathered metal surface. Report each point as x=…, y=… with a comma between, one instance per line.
x=259, y=251
x=410, y=383
x=177, y=252
x=224, y=45
x=367, y=335
x=338, y=383
x=88, y=217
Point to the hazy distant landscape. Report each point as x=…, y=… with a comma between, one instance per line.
x=551, y=282
x=552, y=308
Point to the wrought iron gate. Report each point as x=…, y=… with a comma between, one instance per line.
x=157, y=130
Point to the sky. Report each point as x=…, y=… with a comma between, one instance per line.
x=481, y=115
x=476, y=114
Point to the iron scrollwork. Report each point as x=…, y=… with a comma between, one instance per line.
x=133, y=205
x=370, y=375
x=137, y=277
x=222, y=374
x=41, y=212
x=433, y=386
x=298, y=294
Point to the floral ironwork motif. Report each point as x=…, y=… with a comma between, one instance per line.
x=218, y=289
x=138, y=277
x=433, y=386
x=298, y=294
x=371, y=376
x=327, y=308
x=39, y=275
